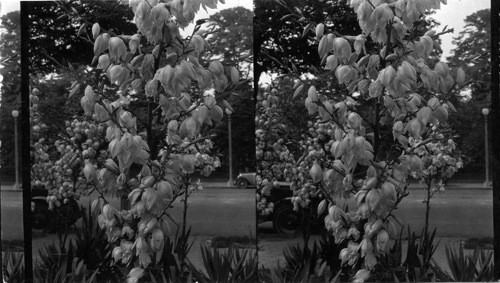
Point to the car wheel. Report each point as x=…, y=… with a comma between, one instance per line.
x=40, y=221
x=286, y=220
x=242, y=184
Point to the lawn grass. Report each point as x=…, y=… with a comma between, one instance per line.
x=13, y=245
x=483, y=243
x=235, y=241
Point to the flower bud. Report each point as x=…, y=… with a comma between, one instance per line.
x=216, y=67
x=159, y=14
x=89, y=172
x=101, y=44
x=354, y=120
x=111, y=166
x=387, y=75
x=96, y=29
x=382, y=240
x=335, y=212
x=460, y=79
x=165, y=190
x=316, y=172
x=103, y=62
x=117, y=253
x=157, y=240
x=117, y=48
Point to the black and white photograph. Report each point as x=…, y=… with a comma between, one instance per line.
x=250, y=141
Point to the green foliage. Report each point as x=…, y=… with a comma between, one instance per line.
x=233, y=265
x=229, y=37
x=472, y=46
x=92, y=247
x=485, y=243
x=419, y=255
x=12, y=266
x=49, y=46
x=299, y=262
x=60, y=264
x=236, y=241
x=277, y=35
x=10, y=47
x=466, y=267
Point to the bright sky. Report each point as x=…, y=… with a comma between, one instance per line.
x=454, y=15
x=9, y=6
x=12, y=5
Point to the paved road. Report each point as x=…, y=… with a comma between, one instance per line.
x=12, y=215
x=223, y=211
x=216, y=211
x=455, y=213
x=213, y=211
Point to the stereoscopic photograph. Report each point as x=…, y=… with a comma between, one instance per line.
x=250, y=141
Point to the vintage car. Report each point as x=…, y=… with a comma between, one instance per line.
x=285, y=220
x=45, y=220
x=249, y=180
x=246, y=180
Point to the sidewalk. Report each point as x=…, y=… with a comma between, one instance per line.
x=271, y=249
x=453, y=186
x=219, y=183
x=9, y=187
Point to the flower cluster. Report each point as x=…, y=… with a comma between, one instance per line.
x=274, y=159
x=385, y=89
x=57, y=167
x=441, y=159
x=150, y=158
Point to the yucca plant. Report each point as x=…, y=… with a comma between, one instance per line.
x=59, y=264
x=92, y=247
x=234, y=265
x=309, y=264
x=53, y=262
x=390, y=265
x=299, y=263
x=419, y=255
x=12, y=267
x=475, y=267
x=173, y=265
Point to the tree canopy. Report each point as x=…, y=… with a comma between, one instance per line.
x=472, y=52
x=230, y=40
x=279, y=37
x=64, y=43
x=10, y=47
x=231, y=36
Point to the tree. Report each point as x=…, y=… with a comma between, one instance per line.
x=10, y=47
x=377, y=101
x=65, y=43
x=276, y=34
x=472, y=46
x=229, y=37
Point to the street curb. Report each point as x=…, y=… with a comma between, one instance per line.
x=470, y=186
